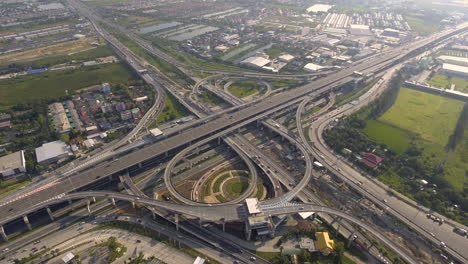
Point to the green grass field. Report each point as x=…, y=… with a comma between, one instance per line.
x=432, y=117
x=48, y=85
x=395, y=138
x=244, y=88
x=443, y=81
x=421, y=25
x=427, y=121
x=236, y=187
x=173, y=110
x=456, y=167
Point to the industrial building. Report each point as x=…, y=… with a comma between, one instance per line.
x=319, y=8
x=52, y=152
x=460, y=61
x=12, y=165
x=455, y=70
x=360, y=30
x=256, y=61
x=311, y=67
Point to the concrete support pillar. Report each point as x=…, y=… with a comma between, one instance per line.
x=121, y=179
x=176, y=220
x=94, y=199
x=166, y=154
x=71, y=204
x=153, y=214
x=112, y=201
x=248, y=231
x=140, y=165
x=50, y=213
x=88, y=202
x=133, y=204
x=200, y=221
x=258, y=123
x=26, y=221
x=224, y=226
x=2, y=232
x=109, y=177
x=350, y=238
x=219, y=140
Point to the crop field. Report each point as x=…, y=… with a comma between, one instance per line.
x=432, y=117
x=48, y=85
x=426, y=121
x=443, y=81
x=397, y=139
x=64, y=48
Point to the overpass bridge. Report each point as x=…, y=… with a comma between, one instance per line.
x=225, y=212
x=244, y=114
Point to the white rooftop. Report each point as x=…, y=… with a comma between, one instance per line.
x=453, y=58
x=319, y=8
x=199, y=260
x=252, y=205
x=312, y=67
x=286, y=57
x=52, y=150
x=69, y=256
x=305, y=215
x=256, y=61
x=156, y=132
x=455, y=68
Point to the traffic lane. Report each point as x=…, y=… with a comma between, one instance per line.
x=443, y=233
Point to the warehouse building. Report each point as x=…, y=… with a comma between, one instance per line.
x=455, y=70
x=12, y=165
x=311, y=67
x=256, y=61
x=454, y=60
x=52, y=152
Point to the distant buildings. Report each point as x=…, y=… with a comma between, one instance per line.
x=12, y=165
x=455, y=70
x=460, y=61
x=106, y=88
x=319, y=8
x=323, y=243
x=311, y=67
x=256, y=61
x=59, y=118
x=52, y=152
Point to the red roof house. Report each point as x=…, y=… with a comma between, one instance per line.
x=371, y=160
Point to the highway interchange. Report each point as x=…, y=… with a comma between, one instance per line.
x=218, y=126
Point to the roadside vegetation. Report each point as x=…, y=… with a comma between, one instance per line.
x=420, y=136
x=243, y=89
x=173, y=110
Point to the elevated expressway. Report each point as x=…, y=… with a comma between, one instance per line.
x=220, y=124
x=243, y=114
x=225, y=212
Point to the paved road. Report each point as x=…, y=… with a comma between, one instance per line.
x=413, y=216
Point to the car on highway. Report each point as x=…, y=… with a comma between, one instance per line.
x=253, y=258
x=443, y=245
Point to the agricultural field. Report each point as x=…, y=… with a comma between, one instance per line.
x=431, y=117
x=443, y=81
x=49, y=85
x=397, y=139
x=423, y=24
x=64, y=48
x=426, y=121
